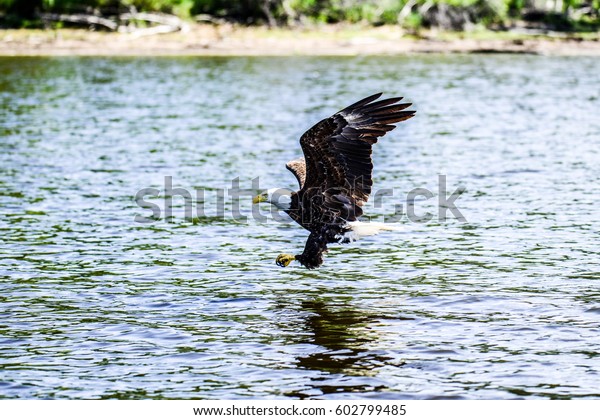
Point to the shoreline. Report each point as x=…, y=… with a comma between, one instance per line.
x=334, y=40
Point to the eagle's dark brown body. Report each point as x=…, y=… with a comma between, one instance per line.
x=335, y=175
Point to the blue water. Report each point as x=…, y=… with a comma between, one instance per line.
x=96, y=305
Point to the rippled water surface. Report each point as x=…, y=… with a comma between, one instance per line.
x=95, y=305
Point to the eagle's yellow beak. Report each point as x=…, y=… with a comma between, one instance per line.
x=258, y=199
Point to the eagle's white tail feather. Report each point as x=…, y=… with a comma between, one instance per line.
x=362, y=229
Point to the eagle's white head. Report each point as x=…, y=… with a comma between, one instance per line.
x=279, y=197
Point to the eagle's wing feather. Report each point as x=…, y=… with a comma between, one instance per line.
x=298, y=168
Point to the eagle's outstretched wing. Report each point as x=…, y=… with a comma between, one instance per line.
x=338, y=149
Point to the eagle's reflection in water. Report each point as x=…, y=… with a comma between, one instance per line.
x=347, y=358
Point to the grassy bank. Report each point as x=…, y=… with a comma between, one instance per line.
x=560, y=15
x=288, y=27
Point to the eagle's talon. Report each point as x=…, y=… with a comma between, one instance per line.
x=283, y=260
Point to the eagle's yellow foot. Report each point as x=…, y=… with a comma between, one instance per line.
x=283, y=260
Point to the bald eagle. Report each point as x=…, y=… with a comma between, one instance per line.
x=335, y=176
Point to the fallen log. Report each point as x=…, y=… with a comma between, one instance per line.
x=159, y=18
x=164, y=24
x=161, y=23
x=80, y=18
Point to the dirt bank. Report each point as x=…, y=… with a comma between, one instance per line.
x=229, y=40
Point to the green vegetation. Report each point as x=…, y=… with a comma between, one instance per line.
x=561, y=15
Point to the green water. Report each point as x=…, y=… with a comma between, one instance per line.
x=96, y=305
